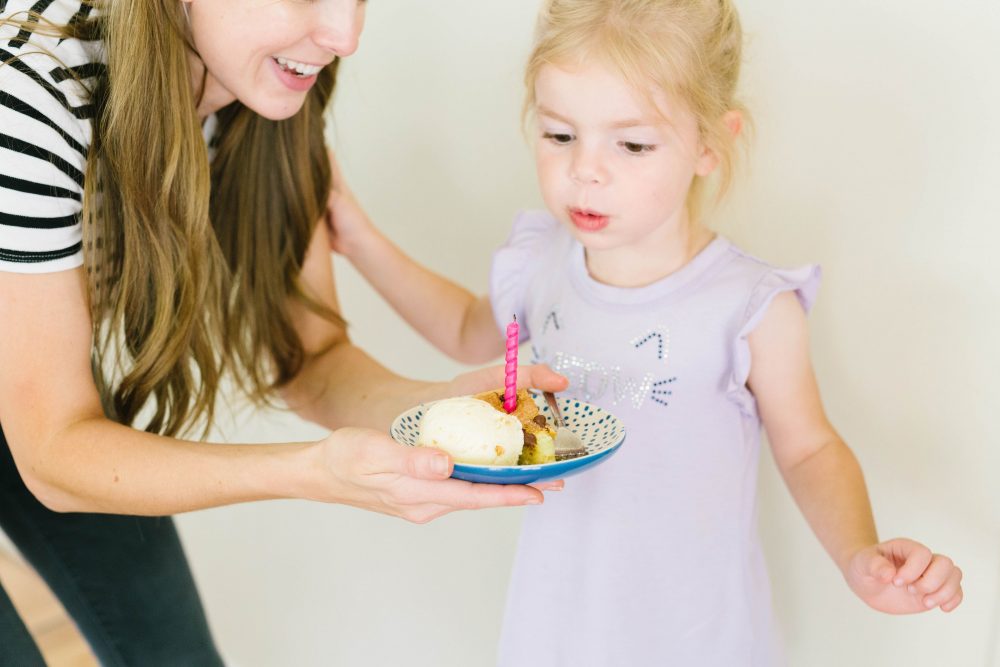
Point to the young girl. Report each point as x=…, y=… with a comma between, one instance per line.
x=125, y=242
x=653, y=558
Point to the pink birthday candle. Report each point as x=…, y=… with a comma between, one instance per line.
x=510, y=376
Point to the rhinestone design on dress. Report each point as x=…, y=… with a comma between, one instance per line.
x=662, y=337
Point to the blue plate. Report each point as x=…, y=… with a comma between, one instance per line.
x=602, y=434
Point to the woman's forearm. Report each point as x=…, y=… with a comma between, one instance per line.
x=96, y=465
x=829, y=488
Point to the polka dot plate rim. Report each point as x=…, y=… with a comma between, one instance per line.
x=602, y=434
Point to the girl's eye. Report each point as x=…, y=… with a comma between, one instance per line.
x=637, y=149
x=558, y=138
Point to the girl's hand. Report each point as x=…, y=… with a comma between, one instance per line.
x=366, y=469
x=901, y=576
x=347, y=222
x=538, y=376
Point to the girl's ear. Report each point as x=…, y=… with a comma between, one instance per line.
x=709, y=159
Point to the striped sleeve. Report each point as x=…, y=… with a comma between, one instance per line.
x=45, y=131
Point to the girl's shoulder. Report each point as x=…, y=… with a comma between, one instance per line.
x=535, y=227
x=535, y=243
x=761, y=280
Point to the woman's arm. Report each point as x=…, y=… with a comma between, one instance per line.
x=74, y=459
x=69, y=454
x=825, y=479
x=453, y=319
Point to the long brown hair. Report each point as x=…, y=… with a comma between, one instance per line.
x=191, y=264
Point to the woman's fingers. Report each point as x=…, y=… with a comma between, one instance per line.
x=374, y=472
x=420, y=463
x=457, y=494
x=554, y=485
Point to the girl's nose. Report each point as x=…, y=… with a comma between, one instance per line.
x=338, y=26
x=586, y=168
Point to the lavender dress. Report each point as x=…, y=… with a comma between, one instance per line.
x=652, y=558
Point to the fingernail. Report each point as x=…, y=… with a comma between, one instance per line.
x=898, y=581
x=533, y=501
x=928, y=603
x=911, y=588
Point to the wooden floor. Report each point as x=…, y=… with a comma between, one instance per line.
x=56, y=636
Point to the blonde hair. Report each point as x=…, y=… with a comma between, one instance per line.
x=191, y=266
x=689, y=49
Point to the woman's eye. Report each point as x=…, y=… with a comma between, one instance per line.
x=636, y=148
x=558, y=138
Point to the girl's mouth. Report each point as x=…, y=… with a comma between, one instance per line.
x=588, y=221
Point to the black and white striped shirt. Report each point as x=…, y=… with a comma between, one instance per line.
x=45, y=131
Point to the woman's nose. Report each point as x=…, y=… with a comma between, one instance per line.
x=338, y=26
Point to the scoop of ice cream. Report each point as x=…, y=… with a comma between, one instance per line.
x=472, y=432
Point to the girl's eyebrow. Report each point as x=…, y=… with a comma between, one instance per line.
x=617, y=125
x=545, y=111
x=632, y=122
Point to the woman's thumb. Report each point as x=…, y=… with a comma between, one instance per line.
x=427, y=463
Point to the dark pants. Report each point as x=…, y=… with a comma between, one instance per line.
x=123, y=579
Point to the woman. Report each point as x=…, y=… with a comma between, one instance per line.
x=139, y=266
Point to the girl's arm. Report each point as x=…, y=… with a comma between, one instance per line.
x=897, y=576
x=344, y=386
x=454, y=320
x=74, y=459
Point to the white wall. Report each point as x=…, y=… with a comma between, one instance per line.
x=876, y=156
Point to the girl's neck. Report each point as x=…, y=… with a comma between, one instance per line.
x=641, y=264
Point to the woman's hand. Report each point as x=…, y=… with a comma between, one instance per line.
x=346, y=221
x=369, y=470
x=901, y=576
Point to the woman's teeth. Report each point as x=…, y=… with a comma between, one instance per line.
x=299, y=69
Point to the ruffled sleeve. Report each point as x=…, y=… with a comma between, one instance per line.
x=804, y=281
x=514, y=266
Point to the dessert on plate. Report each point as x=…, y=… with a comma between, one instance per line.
x=477, y=430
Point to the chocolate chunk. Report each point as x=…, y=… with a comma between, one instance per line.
x=530, y=439
x=540, y=420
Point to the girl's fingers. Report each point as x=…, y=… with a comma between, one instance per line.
x=934, y=576
x=915, y=556
x=947, y=591
x=540, y=376
x=953, y=602
x=881, y=569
